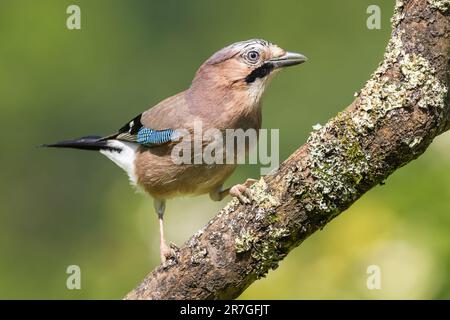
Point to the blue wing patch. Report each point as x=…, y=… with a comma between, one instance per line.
x=147, y=136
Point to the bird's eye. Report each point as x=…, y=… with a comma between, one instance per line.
x=253, y=56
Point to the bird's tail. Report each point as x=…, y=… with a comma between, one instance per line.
x=85, y=143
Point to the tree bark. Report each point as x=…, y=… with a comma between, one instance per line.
x=392, y=121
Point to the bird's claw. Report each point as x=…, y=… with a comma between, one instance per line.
x=243, y=191
x=168, y=252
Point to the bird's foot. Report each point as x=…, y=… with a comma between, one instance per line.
x=243, y=191
x=168, y=252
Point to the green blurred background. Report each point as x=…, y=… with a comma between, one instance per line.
x=64, y=207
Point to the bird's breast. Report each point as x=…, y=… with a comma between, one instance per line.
x=163, y=178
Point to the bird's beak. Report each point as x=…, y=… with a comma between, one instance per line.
x=288, y=59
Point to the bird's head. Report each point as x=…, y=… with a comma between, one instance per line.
x=245, y=67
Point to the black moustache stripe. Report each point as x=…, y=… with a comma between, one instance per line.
x=259, y=72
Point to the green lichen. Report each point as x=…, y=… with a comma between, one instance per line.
x=261, y=196
x=337, y=163
x=263, y=241
x=264, y=198
x=244, y=242
x=382, y=94
x=442, y=5
x=269, y=252
x=421, y=76
x=198, y=256
x=272, y=217
x=265, y=247
x=398, y=15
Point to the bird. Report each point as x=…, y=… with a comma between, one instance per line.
x=225, y=93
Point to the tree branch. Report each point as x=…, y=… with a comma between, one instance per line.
x=393, y=119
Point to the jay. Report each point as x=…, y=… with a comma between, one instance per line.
x=225, y=94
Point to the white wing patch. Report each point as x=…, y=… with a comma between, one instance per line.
x=124, y=159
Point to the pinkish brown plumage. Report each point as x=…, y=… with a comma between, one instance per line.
x=225, y=94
